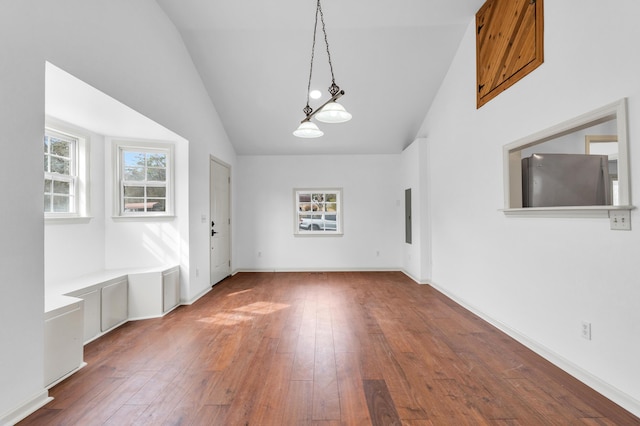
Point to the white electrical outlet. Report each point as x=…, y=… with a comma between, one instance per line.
x=620, y=220
x=586, y=330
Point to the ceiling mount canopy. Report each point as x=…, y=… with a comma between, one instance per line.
x=330, y=111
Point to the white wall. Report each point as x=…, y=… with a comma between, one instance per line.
x=80, y=246
x=373, y=204
x=76, y=247
x=573, y=143
x=417, y=255
x=541, y=277
x=22, y=220
x=148, y=242
x=132, y=52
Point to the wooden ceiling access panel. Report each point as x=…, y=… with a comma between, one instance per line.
x=509, y=44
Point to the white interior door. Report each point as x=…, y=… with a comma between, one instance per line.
x=219, y=230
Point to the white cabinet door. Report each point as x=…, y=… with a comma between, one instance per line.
x=114, y=304
x=91, y=314
x=145, y=295
x=170, y=289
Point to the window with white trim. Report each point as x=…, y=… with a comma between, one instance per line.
x=60, y=174
x=144, y=180
x=318, y=211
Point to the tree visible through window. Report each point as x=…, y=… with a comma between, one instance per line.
x=144, y=183
x=144, y=180
x=60, y=173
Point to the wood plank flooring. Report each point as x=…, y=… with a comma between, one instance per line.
x=350, y=348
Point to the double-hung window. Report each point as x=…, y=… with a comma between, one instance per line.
x=60, y=174
x=145, y=180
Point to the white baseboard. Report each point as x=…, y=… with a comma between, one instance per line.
x=28, y=407
x=153, y=316
x=621, y=398
x=317, y=270
x=69, y=374
x=197, y=296
x=418, y=281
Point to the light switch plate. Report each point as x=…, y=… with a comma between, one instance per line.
x=620, y=220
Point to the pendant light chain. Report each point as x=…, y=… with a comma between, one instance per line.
x=334, y=88
x=307, y=109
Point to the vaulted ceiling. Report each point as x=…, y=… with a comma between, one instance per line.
x=388, y=56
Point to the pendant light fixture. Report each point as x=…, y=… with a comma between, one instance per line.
x=331, y=111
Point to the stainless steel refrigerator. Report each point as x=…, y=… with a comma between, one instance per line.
x=556, y=180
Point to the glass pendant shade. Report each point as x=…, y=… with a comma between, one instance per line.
x=333, y=112
x=307, y=129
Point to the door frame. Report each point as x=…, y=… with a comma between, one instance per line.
x=215, y=159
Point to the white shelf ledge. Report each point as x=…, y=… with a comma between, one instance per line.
x=570, y=211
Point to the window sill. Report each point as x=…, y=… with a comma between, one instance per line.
x=51, y=220
x=572, y=211
x=145, y=218
x=318, y=234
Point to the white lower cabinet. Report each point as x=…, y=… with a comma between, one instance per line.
x=92, y=305
x=152, y=294
x=63, y=340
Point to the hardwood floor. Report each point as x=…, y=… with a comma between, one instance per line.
x=327, y=349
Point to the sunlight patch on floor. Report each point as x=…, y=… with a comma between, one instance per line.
x=226, y=318
x=243, y=313
x=262, y=308
x=239, y=292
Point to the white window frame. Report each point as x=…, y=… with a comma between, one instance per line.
x=302, y=216
x=79, y=169
x=119, y=183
